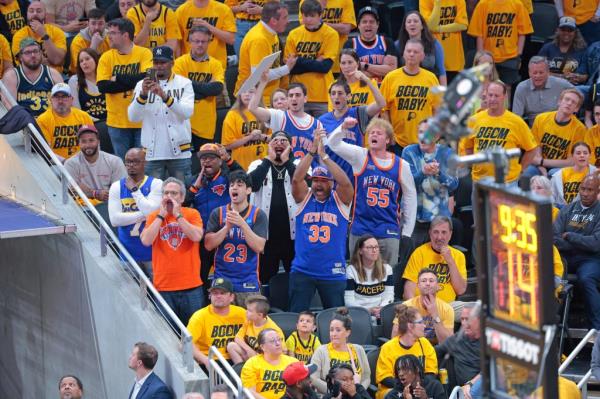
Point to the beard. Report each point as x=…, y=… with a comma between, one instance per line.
x=90, y=151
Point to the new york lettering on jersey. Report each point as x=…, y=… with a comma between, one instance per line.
x=373, y=54
x=301, y=136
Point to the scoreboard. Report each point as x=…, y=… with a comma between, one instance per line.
x=516, y=287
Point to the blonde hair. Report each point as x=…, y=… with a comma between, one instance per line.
x=572, y=91
x=385, y=126
x=478, y=55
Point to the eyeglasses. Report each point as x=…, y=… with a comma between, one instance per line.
x=31, y=52
x=274, y=341
x=136, y=162
x=420, y=321
x=372, y=247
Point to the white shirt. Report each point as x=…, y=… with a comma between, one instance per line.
x=138, y=386
x=145, y=205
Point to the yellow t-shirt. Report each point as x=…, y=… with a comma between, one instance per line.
x=507, y=131
x=301, y=350
x=393, y=349
x=336, y=12
x=244, y=16
x=265, y=377
x=249, y=332
x=408, y=101
x=111, y=63
x=208, y=70
x=559, y=268
x=425, y=256
x=567, y=389
x=451, y=12
x=257, y=44
x=499, y=23
x=445, y=312
x=13, y=16
x=581, y=10
x=61, y=132
x=343, y=357
x=164, y=27
x=5, y=54
x=571, y=180
x=592, y=138
x=234, y=128
x=57, y=36
x=360, y=95
x=312, y=45
x=217, y=14
x=208, y=328
x=556, y=140
x=78, y=44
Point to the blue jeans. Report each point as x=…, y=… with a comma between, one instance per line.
x=477, y=389
x=302, y=289
x=587, y=268
x=123, y=139
x=590, y=31
x=178, y=168
x=184, y=302
x=242, y=29
x=531, y=171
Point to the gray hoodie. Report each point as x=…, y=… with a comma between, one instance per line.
x=583, y=226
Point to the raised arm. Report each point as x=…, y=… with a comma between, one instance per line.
x=299, y=186
x=261, y=113
x=344, y=188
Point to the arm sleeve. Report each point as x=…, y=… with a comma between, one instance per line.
x=388, y=292
x=261, y=224
x=73, y=85
x=259, y=174
x=152, y=202
x=559, y=7
x=557, y=189
x=518, y=106
x=365, y=378
x=349, y=298
x=184, y=107
x=352, y=154
x=410, y=158
x=409, y=200
x=304, y=65
x=108, y=86
x=321, y=359
x=203, y=90
x=116, y=215
x=213, y=221
x=135, y=111
x=588, y=242
x=558, y=229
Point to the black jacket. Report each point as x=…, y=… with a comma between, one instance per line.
x=361, y=393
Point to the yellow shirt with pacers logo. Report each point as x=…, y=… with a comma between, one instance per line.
x=301, y=350
x=426, y=256
x=336, y=12
x=235, y=127
x=112, y=63
x=451, y=12
x=592, y=138
x=506, y=131
x=500, y=23
x=322, y=43
x=209, y=328
x=556, y=139
x=408, y=101
x=13, y=16
x=260, y=42
x=249, y=332
x=216, y=14
x=164, y=27
x=359, y=95
x=206, y=70
x=581, y=10
x=57, y=37
x=61, y=132
x=265, y=377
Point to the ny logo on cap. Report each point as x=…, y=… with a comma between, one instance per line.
x=158, y=51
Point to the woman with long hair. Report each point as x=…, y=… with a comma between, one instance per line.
x=242, y=133
x=410, y=341
x=411, y=382
x=485, y=57
x=415, y=27
x=361, y=93
x=370, y=282
x=86, y=95
x=258, y=371
x=565, y=182
x=339, y=351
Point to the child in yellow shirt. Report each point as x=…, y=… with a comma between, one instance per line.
x=302, y=343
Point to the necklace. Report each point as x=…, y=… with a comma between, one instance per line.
x=280, y=172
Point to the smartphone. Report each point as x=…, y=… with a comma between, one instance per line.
x=151, y=74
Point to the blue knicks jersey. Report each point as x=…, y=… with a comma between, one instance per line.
x=212, y=195
x=234, y=259
x=373, y=54
x=130, y=235
x=321, y=229
x=34, y=95
x=302, y=136
x=352, y=136
x=376, y=199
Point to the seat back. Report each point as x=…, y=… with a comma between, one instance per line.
x=278, y=291
x=387, y=319
x=544, y=20
x=372, y=357
x=362, y=331
x=286, y=321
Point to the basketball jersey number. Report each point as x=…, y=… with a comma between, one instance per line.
x=37, y=104
x=135, y=231
x=230, y=249
x=378, y=197
x=321, y=234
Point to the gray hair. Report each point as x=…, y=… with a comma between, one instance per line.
x=193, y=395
x=538, y=59
x=543, y=181
x=439, y=220
x=176, y=181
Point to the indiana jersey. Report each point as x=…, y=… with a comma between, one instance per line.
x=376, y=199
x=302, y=136
x=93, y=104
x=130, y=235
x=234, y=259
x=164, y=27
x=212, y=194
x=301, y=350
x=321, y=229
x=34, y=95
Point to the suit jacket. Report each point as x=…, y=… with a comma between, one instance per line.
x=153, y=388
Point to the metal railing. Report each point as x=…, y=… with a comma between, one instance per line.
x=69, y=188
x=578, y=348
x=221, y=372
x=583, y=384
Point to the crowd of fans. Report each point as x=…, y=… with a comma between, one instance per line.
x=323, y=160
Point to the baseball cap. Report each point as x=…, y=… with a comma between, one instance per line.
x=28, y=41
x=87, y=129
x=60, y=88
x=222, y=284
x=567, y=22
x=321, y=173
x=296, y=372
x=162, y=53
x=281, y=134
x=368, y=10
x=209, y=149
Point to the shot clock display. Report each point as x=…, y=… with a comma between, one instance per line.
x=514, y=259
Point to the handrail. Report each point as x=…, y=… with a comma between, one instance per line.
x=576, y=351
x=145, y=283
x=582, y=385
x=216, y=366
x=456, y=393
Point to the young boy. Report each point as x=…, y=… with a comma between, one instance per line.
x=245, y=344
x=302, y=343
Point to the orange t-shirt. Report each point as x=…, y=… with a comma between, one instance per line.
x=175, y=258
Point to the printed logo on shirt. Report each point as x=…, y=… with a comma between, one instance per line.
x=554, y=147
x=411, y=98
x=15, y=20
x=358, y=98
x=172, y=234
x=308, y=50
x=128, y=205
x=447, y=16
x=580, y=221
x=65, y=137
x=223, y=334
x=202, y=77
x=332, y=15
x=272, y=381
x=491, y=136
x=570, y=190
x=126, y=69
x=442, y=272
x=218, y=189
x=211, y=20
x=370, y=290
x=500, y=25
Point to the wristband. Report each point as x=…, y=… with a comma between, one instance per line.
x=160, y=217
x=45, y=37
x=325, y=158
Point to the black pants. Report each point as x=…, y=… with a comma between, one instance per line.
x=276, y=251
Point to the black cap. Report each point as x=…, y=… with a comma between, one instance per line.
x=162, y=53
x=368, y=10
x=222, y=284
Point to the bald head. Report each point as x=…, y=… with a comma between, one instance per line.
x=135, y=161
x=588, y=190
